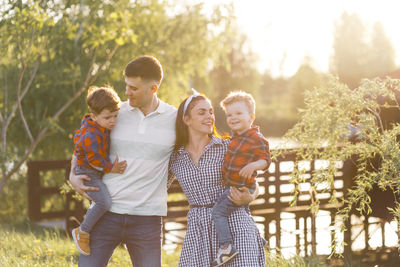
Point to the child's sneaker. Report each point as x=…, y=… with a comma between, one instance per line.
x=81, y=240
x=224, y=255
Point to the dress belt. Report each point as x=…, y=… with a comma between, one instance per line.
x=202, y=206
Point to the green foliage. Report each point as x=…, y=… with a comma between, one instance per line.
x=234, y=71
x=374, y=148
x=279, y=100
x=54, y=50
x=304, y=79
x=13, y=201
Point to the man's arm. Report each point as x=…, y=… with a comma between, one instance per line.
x=77, y=181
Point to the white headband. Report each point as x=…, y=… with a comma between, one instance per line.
x=188, y=100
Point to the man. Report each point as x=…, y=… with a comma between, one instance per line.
x=144, y=136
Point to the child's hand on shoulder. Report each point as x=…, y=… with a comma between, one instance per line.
x=119, y=167
x=248, y=170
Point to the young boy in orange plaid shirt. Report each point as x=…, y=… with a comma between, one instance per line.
x=247, y=153
x=92, y=147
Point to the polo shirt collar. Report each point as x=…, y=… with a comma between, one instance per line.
x=162, y=106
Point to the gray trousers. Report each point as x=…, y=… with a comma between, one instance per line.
x=101, y=198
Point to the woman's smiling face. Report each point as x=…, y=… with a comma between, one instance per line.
x=201, y=117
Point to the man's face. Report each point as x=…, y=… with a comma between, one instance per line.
x=139, y=92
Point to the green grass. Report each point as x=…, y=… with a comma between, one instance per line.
x=26, y=244
x=277, y=260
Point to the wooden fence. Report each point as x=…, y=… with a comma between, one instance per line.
x=288, y=228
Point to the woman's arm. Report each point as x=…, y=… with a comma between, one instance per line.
x=242, y=196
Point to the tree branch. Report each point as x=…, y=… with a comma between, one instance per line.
x=2, y=118
x=28, y=152
x=77, y=93
x=21, y=113
x=89, y=80
x=43, y=132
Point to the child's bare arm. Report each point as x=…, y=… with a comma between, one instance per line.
x=248, y=170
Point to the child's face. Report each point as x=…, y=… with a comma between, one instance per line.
x=239, y=117
x=106, y=119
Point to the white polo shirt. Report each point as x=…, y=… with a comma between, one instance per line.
x=146, y=143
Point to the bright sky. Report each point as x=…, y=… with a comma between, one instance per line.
x=284, y=32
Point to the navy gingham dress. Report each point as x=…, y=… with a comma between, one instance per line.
x=202, y=186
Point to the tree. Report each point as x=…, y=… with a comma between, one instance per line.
x=275, y=107
x=381, y=58
x=304, y=79
x=32, y=35
x=349, y=59
x=359, y=55
x=235, y=70
x=323, y=133
x=54, y=50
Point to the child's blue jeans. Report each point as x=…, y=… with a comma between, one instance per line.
x=220, y=213
x=102, y=199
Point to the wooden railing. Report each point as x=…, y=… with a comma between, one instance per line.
x=285, y=227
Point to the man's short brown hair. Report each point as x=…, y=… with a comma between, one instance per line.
x=100, y=98
x=146, y=67
x=240, y=96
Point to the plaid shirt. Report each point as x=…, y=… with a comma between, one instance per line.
x=243, y=149
x=92, y=146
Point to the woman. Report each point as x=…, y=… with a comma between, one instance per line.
x=196, y=162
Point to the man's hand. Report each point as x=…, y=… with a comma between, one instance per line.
x=77, y=181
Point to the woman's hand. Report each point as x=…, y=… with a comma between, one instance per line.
x=241, y=196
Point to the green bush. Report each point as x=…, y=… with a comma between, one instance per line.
x=13, y=200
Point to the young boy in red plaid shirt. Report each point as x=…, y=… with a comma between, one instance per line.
x=92, y=147
x=247, y=153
